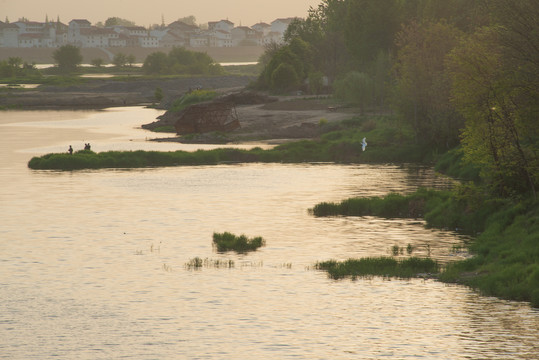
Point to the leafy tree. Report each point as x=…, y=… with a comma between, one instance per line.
x=370, y=27
x=284, y=78
x=130, y=59
x=189, y=20
x=156, y=63
x=68, y=58
x=97, y=62
x=181, y=61
x=422, y=85
x=119, y=60
x=501, y=134
x=356, y=88
x=112, y=21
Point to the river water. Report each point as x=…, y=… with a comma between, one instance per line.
x=93, y=263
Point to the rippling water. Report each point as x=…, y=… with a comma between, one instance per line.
x=93, y=262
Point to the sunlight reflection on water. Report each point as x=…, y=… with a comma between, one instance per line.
x=93, y=262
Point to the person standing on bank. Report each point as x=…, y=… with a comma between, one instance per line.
x=70, y=150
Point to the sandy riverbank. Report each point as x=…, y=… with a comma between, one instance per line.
x=288, y=118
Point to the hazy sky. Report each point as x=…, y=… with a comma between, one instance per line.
x=146, y=12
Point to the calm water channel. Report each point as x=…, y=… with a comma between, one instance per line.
x=92, y=263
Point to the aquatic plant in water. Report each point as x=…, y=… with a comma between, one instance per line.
x=229, y=242
x=380, y=266
x=197, y=263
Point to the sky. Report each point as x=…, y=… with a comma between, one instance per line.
x=147, y=12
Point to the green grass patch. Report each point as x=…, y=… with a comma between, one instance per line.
x=380, y=266
x=506, y=256
x=340, y=143
x=229, y=242
x=192, y=97
x=390, y=206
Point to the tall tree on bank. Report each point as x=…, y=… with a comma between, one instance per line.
x=496, y=87
x=422, y=91
x=68, y=58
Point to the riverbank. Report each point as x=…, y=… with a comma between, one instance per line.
x=219, y=54
x=505, y=261
x=103, y=93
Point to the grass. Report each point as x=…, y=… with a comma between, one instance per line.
x=391, y=206
x=506, y=255
x=505, y=249
x=241, y=244
x=380, y=266
x=192, y=97
x=339, y=143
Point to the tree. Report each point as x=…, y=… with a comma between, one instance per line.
x=370, y=27
x=119, y=60
x=501, y=134
x=156, y=63
x=189, y=20
x=97, y=62
x=130, y=59
x=355, y=88
x=422, y=92
x=112, y=21
x=68, y=58
x=284, y=78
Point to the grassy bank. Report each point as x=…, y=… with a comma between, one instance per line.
x=506, y=247
x=338, y=142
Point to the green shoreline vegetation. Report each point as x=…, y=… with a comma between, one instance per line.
x=382, y=266
x=506, y=256
x=339, y=142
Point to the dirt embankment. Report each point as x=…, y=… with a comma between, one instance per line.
x=102, y=93
x=268, y=119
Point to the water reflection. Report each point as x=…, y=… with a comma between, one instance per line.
x=93, y=261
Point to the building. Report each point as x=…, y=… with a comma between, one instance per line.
x=223, y=25
x=9, y=35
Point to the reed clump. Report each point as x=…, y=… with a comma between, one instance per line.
x=390, y=206
x=229, y=242
x=379, y=266
x=198, y=263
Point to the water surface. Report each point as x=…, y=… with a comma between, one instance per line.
x=93, y=262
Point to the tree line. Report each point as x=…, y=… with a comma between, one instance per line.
x=457, y=72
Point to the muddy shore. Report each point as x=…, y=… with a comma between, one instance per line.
x=277, y=120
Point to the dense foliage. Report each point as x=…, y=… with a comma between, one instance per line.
x=14, y=67
x=181, y=61
x=455, y=71
x=68, y=58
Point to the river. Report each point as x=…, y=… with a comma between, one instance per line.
x=93, y=263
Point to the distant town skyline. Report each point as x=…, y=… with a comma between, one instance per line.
x=145, y=13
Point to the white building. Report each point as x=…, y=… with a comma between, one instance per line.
x=220, y=38
x=223, y=25
x=9, y=35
